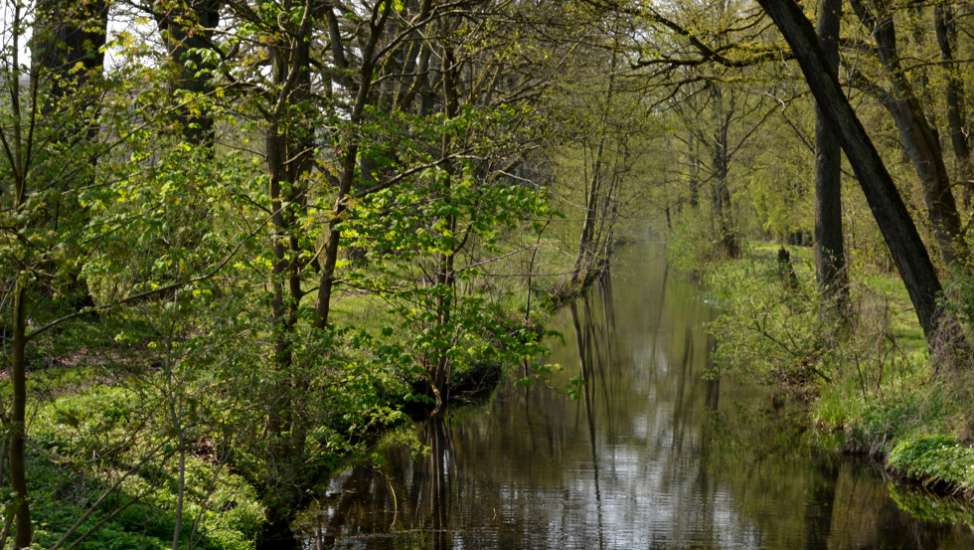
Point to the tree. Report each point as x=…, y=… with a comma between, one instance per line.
x=432, y=217
x=48, y=151
x=591, y=257
x=919, y=137
x=829, y=246
x=902, y=238
x=188, y=29
x=945, y=22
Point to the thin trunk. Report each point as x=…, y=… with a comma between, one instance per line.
x=918, y=41
x=830, y=263
x=583, y=260
x=181, y=491
x=694, y=154
x=417, y=66
x=902, y=238
x=347, y=174
x=946, y=27
x=602, y=242
x=920, y=139
x=175, y=414
x=721, y=198
x=420, y=82
x=446, y=276
x=18, y=416
x=18, y=354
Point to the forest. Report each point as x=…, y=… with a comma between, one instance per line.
x=397, y=273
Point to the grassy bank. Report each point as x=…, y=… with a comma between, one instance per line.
x=870, y=387
x=103, y=451
x=101, y=475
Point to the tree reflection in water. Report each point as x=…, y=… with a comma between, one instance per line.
x=655, y=452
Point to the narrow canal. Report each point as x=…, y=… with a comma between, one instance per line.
x=646, y=451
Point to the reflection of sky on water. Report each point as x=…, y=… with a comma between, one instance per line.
x=522, y=471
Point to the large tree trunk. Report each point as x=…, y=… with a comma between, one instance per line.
x=279, y=481
x=67, y=33
x=899, y=232
x=67, y=54
x=829, y=249
x=187, y=27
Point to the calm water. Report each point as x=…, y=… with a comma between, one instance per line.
x=651, y=454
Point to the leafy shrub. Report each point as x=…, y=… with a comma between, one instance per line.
x=935, y=459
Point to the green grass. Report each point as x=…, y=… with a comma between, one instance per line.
x=903, y=321
x=883, y=397
x=82, y=447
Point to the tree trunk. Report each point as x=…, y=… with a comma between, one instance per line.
x=350, y=145
x=830, y=263
x=586, y=247
x=694, y=159
x=920, y=139
x=786, y=271
x=721, y=196
x=67, y=33
x=278, y=477
x=923, y=148
x=180, y=489
x=446, y=275
x=946, y=28
x=186, y=33
x=18, y=415
x=68, y=36
x=899, y=232
x=288, y=154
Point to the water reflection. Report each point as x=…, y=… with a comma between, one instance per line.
x=652, y=453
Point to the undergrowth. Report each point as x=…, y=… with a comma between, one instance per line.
x=869, y=381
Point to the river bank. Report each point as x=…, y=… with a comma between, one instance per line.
x=872, y=392
x=631, y=442
x=104, y=452
x=642, y=402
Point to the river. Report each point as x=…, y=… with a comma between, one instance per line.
x=649, y=452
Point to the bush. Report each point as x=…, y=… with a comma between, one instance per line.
x=935, y=460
